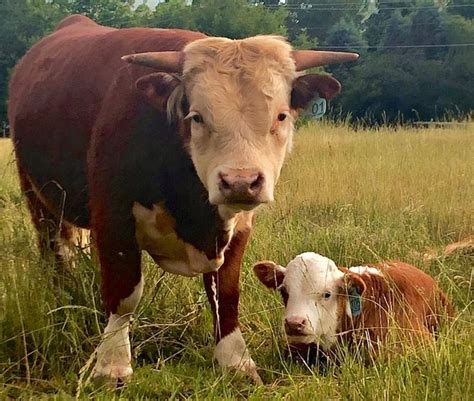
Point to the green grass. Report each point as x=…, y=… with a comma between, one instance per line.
x=353, y=196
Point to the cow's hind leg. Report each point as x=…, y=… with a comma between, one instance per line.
x=122, y=287
x=55, y=237
x=44, y=222
x=223, y=291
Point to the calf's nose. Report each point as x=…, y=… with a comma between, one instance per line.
x=295, y=325
x=241, y=186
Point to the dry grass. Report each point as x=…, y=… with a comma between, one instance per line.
x=353, y=196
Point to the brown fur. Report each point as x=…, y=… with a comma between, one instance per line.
x=404, y=301
x=93, y=135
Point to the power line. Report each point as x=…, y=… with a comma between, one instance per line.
x=327, y=7
x=396, y=46
x=321, y=28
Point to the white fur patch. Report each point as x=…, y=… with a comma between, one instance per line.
x=155, y=233
x=68, y=248
x=113, y=353
x=308, y=278
x=365, y=270
x=232, y=352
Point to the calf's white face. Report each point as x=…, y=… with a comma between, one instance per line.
x=314, y=291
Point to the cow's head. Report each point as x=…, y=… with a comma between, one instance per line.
x=240, y=99
x=316, y=294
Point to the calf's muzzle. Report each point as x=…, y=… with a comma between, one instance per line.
x=295, y=326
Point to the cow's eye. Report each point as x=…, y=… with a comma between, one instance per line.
x=281, y=117
x=326, y=295
x=197, y=118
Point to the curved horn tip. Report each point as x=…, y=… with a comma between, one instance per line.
x=128, y=58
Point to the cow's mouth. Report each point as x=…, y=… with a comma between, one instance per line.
x=244, y=205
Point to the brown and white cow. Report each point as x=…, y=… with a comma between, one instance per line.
x=325, y=304
x=169, y=151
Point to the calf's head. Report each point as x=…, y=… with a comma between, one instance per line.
x=316, y=294
x=239, y=99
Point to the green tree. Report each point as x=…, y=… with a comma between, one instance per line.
x=22, y=22
x=395, y=31
x=463, y=8
x=238, y=18
x=345, y=35
x=173, y=14
x=317, y=17
x=117, y=13
x=427, y=28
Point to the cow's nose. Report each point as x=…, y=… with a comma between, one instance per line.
x=241, y=187
x=295, y=325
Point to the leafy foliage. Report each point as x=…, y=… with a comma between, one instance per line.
x=407, y=63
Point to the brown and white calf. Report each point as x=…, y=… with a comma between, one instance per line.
x=325, y=303
x=158, y=140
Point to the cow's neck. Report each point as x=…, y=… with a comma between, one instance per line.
x=169, y=199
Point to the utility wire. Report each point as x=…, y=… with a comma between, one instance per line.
x=320, y=28
x=396, y=46
x=327, y=7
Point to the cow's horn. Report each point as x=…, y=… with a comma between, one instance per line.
x=161, y=61
x=305, y=59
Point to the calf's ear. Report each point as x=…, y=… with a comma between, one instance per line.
x=355, y=281
x=269, y=273
x=308, y=86
x=156, y=88
x=355, y=288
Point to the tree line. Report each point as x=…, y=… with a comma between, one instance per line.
x=417, y=56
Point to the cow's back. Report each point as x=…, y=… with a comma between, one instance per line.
x=416, y=295
x=56, y=93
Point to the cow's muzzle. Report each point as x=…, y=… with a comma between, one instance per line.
x=241, y=187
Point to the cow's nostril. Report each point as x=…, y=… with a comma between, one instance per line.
x=256, y=185
x=241, y=186
x=223, y=183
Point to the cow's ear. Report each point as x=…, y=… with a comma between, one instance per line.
x=308, y=86
x=157, y=88
x=269, y=273
x=355, y=289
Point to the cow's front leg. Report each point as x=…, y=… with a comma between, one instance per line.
x=122, y=286
x=223, y=290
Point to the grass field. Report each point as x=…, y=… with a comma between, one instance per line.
x=353, y=196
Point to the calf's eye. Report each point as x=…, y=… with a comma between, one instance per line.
x=326, y=295
x=281, y=117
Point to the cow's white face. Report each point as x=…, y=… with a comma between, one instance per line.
x=240, y=120
x=315, y=297
x=240, y=98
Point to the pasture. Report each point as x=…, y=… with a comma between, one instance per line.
x=353, y=196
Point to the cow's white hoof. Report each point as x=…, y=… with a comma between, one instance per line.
x=114, y=372
x=112, y=375
x=231, y=352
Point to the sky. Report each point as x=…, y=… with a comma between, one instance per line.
x=151, y=3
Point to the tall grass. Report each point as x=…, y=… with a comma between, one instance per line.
x=353, y=196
